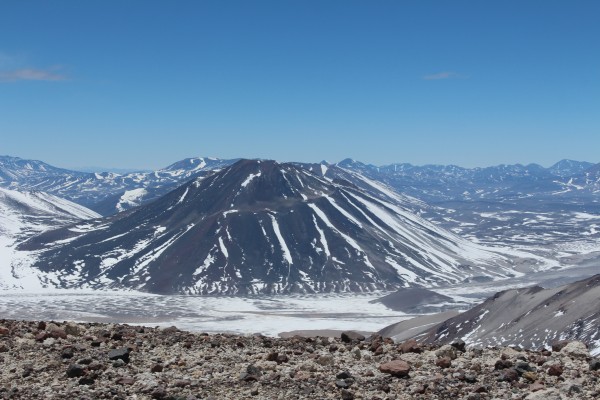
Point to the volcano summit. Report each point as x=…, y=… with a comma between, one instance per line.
x=261, y=227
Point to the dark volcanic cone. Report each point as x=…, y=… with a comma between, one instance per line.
x=260, y=227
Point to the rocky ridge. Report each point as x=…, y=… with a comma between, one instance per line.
x=106, y=361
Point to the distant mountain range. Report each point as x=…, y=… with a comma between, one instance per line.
x=106, y=193
x=442, y=183
x=262, y=227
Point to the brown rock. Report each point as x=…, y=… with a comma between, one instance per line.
x=282, y=358
x=546, y=353
x=480, y=389
x=41, y=336
x=58, y=334
x=555, y=370
x=157, y=368
x=530, y=376
x=374, y=345
x=508, y=375
x=443, y=362
x=397, y=368
x=558, y=345
x=503, y=364
x=540, y=360
x=411, y=346
x=4, y=330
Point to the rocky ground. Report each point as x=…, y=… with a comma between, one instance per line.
x=98, y=361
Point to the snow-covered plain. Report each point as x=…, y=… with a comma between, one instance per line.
x=269, y=315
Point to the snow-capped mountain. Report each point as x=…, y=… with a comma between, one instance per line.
x=24, y=214
x=106, y=193
x=532, y=318
x=263, y=227
x=566, y=168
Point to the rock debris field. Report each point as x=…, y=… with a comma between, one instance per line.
x=50, y=360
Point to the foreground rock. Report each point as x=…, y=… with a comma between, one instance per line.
x=106, y=361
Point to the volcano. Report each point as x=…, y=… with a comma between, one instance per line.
x=261, y=227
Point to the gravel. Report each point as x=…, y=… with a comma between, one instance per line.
x=52, y=360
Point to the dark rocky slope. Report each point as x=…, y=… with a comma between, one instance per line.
x=531, y=317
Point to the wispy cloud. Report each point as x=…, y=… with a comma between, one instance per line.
x=442, y=75
x=31, y=74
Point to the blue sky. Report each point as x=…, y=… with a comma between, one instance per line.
x=141, y=84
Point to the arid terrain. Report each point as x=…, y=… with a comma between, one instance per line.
x=49, y=360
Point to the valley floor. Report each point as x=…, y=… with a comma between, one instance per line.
x=268, y=315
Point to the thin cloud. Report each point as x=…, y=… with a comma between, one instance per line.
x=441, y=75
x=31, y=74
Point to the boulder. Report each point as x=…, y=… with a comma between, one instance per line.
x=119, y=354
x=397, y=368
x=349, y=336
x=411, y=346
x=576, y=349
